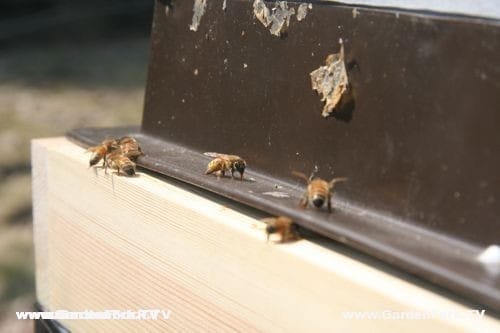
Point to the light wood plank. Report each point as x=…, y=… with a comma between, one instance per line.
x=110, y=242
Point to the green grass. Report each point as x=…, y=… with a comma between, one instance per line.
x=18, y=280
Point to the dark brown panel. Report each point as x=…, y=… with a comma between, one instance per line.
x=418, y=136
x=423, y=138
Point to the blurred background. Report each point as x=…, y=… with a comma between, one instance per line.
x=63, y=64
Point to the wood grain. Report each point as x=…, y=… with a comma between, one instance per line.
x=111, y=242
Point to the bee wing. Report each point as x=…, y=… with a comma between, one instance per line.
x=127, y=140
x=277, y=220
x=92, y=149
x=268, y=220
x=115, y=154
x=231, y=158
x=212, y=154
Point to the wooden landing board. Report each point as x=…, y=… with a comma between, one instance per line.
x=109, y=242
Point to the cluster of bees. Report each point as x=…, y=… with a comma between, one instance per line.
x=121, y=155
x=118, y=154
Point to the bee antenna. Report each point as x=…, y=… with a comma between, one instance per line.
x=301, y=175
x=337, y=180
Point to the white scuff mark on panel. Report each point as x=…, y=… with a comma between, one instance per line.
x=302, y=10
x=490, y=258
x=277, y=194
x=261, y=12
x=280, y=18
x=355, y=12
x=277, y=19
x=198, y=11
x=330, y=80
x=478, y=8
x=224, y=5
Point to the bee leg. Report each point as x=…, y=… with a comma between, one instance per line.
x=287, y=235
x=270, y=229
x=329, y=203
x=104, y=163
x=303, y=201
x=282, y=236
x=294, y=231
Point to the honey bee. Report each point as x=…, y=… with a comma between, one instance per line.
x=118, y=154
x=318, y=190
x=130, y=148
x=120, y=163
x=282, y=225
x=101, y=151
x=222, y=163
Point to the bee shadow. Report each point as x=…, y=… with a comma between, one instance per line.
x=135, y=175
x=245, y=179
x=248, y=180
x=289, y=240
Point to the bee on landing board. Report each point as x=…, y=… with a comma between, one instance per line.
x=283, y=226
x=101, y=151
x=318, y=190
x=121, y=163
x=130, y=147
x=222, y=163
x=119, y=154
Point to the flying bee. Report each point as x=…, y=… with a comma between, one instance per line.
x=282, y=225
x=318, y=190
x=222, y=163
x=130, y=148
x=120, y=163
x=101, y=151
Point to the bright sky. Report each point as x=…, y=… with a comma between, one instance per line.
x=483, y=8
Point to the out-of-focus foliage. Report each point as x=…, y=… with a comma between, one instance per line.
x=63, y=64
